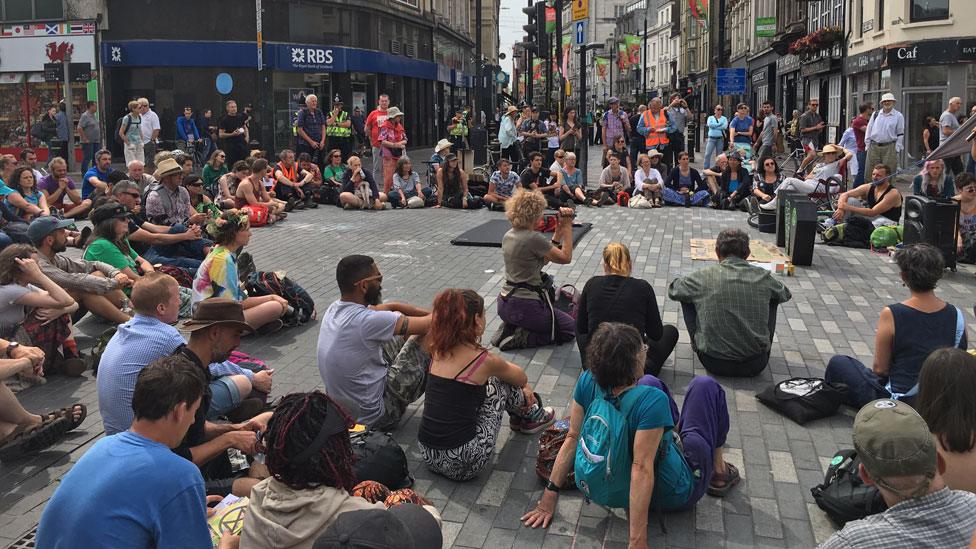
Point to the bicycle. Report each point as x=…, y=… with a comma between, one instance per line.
x=795, y=156
x=484, y=171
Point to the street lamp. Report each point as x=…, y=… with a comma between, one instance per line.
x=594, y=46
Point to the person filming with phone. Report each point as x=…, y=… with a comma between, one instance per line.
x=524, y=305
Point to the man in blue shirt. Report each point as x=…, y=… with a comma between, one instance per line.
x=145, y=496
x=740, y=130
x=95, y=180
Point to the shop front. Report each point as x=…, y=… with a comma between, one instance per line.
x=25, y=96
x=866, y=78
x=184, y=73
x=823, y=81
x=762, y=87
x=924, y=75
x=790, y=95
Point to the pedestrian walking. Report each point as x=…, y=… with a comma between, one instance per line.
x=885, y=135
x=809, y=126
x=89, y=134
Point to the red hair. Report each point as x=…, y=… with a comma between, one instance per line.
x=454, y=320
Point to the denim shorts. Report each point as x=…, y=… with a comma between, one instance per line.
x=224, y=397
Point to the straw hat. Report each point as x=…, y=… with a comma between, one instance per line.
x=442, y=144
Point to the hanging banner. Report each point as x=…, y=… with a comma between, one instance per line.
x=537, y=67
x=633, y=44
x=567, y=44
x=550, y=20
x=699, y=10
x=602, y=67
x=623, y=59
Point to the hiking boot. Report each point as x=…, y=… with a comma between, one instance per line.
x=519, y=339
x=536, y=419
x=310, y=201
x=299, y=203
x=290, y=205
x=504, y=331
x=83, y=237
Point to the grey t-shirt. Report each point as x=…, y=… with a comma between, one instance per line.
x=89, y=127
x=947, y=120
x=524, y=252
x=769, y=126
x=350, y=355
x=12, y=314
x=808, y=120
x=679, y=117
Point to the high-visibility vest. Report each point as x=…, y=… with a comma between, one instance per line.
x=336, y=130
x=655, y=139
x=290, y=175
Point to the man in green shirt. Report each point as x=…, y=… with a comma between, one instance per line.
x=730, y=309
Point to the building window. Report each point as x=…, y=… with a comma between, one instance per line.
x=929, y=10
x=880, y=12
x=833, y=100
x=859, y=6
x=929, y=75
x=32, y=10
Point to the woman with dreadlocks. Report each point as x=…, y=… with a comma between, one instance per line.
x=468, y=389
x=309, y=456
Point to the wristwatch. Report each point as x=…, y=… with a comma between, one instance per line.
x=551, y=486
x=10, y=347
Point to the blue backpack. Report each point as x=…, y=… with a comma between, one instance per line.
x=604, y=454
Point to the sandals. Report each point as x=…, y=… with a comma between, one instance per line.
x=68, y=413
x=728, y=480
x=28, y=439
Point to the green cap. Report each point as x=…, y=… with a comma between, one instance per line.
x=892, y=440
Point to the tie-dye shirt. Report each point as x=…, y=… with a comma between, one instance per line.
x=217, y=277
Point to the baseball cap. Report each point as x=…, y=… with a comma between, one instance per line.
x=405, y=526
x=45, y=225
x=892, y=440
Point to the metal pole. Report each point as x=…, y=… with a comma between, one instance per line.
x=69, y=112
x=479, y=91
x=612, y=61
x=559, y=58
x=530, y=73
x=548, y=73
x=581, y=162
x=644, y=57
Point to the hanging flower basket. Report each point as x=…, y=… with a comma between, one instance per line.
x=817, y=40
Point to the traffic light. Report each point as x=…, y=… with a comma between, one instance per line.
x=532, y=29
x=540, y=25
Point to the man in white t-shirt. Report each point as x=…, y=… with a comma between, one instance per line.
x=371, y=352
x=150, y=132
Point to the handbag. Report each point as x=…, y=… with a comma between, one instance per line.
x=804, y=399
x=843, y=495
x=397, y=152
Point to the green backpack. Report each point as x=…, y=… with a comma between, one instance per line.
x=889, y=235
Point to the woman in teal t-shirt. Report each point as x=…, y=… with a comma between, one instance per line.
x=682, y=474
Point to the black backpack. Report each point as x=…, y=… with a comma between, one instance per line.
x=843, y=495
x=380, y=458
x=118, y=126
x=269, y=283
x=804, y=399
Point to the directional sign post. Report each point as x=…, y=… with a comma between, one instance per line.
x=579, y=29
x=731, y=81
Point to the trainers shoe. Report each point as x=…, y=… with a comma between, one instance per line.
x=519, y=339
x=310, y=201
x=769, y=206
x=503, y=332
x=753, y=204
x=536, y=419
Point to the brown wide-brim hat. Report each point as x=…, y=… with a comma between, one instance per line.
x=217, y=310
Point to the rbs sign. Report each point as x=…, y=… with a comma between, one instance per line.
x=311, y=58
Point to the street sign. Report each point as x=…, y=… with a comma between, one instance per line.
x=581, y=9
x=579, y=28
x=731, y=81
x=78, y=72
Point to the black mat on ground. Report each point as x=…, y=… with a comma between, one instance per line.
x=490, y=233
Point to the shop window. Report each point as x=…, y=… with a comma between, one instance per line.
x=929, y=10
x=929, y=75
x=833, y=100
x=30, y=10
x=971, y=86
x=885, y=83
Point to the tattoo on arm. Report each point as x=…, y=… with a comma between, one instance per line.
x=405, y=325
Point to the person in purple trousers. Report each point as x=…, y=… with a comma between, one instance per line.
x=529, y=319
x=665, y=475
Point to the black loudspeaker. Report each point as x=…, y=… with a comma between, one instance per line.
x=934, y=222
x=478, y=141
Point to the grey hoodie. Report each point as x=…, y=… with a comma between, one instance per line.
x=281, y=517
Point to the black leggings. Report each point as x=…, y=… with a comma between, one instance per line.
x=743, y=367
x=658, y=350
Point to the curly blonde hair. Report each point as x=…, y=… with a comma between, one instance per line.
x=524, y=209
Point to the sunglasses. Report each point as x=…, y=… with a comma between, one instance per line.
x=221, y=156
x=337, y=156
x=560, y=156
x=719, y=109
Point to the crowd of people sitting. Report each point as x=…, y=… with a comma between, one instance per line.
x=190, y=415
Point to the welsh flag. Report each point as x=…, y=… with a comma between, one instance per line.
x=550, y=20
x=623, y=59
x=537, y=69
x=633, y=44
x=699, y=10
x=602, y=67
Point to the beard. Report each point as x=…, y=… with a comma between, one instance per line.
x=374, y=296
x=219, y=355
x=58, y=247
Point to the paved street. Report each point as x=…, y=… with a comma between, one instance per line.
x=834, y=310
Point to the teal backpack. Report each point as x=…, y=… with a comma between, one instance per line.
x=604, y=455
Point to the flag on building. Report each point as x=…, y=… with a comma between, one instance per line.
x=602, y=67
x=633, y=44
x=699, y=10
x=567, y=44
x=550, y=20
x=623, y=60
x=537, y=69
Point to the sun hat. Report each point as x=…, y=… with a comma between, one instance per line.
x=888, y=97
x=166, y=167
x=831, y=148
x=393, y=112
x=442, y=144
